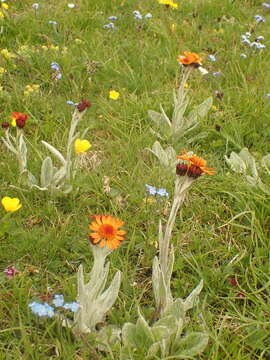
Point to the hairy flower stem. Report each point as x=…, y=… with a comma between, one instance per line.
x=181, y=186
x=76, y=117
x=179, y=99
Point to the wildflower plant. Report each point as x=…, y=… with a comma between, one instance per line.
x=245, y=164
x=181, y=124
x=55, y=179
x=165, y=337
x=93, y=301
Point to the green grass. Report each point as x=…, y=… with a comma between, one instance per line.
x=223, y=230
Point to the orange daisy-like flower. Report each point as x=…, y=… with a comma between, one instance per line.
x=195, y=166
x=190, y=59
x=106, y=231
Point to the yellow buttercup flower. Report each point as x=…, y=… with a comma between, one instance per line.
x=13, y=123
x=4, y=6
x=114, y=95
x=1, y=14
x=169, y=3
x=11, y=204
x=81, y=146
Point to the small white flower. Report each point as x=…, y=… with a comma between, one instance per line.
x=35, y=6
x=71, y=6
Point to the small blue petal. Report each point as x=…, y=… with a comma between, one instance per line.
x=212, y=58
x=151, y=189
x=266, y=5
x=58, y=300
x=112, y=18
x=71, y=306
x=163, y=193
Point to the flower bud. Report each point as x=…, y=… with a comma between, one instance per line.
x=194, y=171
x=5, y=125
x=84, y=104
x=181, y=169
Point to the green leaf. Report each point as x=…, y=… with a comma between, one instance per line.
x=177, y=309
x=129, y=335
x=144, y=336
x=46, y=174
x=191, y=345
x=153, y=350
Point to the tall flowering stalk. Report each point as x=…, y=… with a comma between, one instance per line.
x=166, y=338
x=187, y=172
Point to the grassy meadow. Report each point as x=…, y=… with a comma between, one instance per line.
x=222, y=231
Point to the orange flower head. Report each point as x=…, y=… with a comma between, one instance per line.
x=196, y=166
x=106, y=231
x=190, y=59
x=19, y=118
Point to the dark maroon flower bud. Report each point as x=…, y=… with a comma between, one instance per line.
x=84, y=104
x=5, y=125
x=181, y=169
x=20, y=123
x=233, y=281
x=194, y=171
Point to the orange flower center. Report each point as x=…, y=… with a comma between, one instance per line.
x=106, y=231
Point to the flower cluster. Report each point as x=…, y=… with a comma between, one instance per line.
x=259, y=18
x=57, y=71
x=106, y=231
x=139, y=16
x=193, y=166
x=253, y=44
x=190, y=59
x=152, y=190
x=46, y=310
x=31, y=89
x=18, y=119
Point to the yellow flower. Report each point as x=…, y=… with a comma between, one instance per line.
x=81, y=146
x=186, y=86
x=214, y=108
x=5, y=6
x=11, y=205
x=1, y=14
x=169, y=3
x=114, y=95
x=149, y=201
x=13, y=122
x=2, y=71
x=6, y=53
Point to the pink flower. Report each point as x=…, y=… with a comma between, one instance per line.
x=11, y=272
